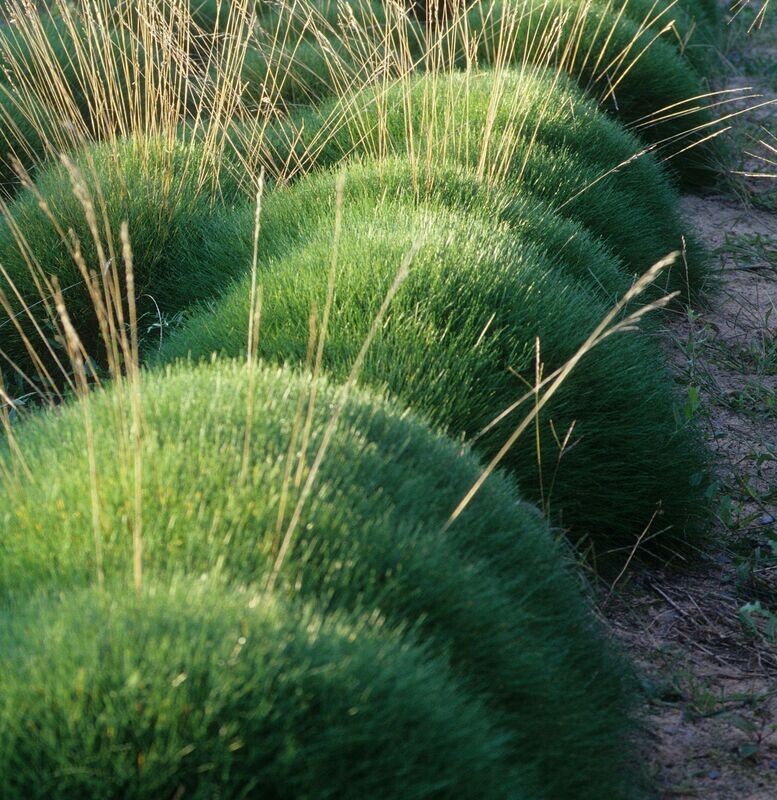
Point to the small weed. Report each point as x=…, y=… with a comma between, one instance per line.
x=758, y=621
x=749, y=250
x=754, y=400
x=755, y=356
x=765, y=201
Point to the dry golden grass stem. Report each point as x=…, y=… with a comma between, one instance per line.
x=717, y=124
x=126, y=68
x=324, y=329
x=11, y=467
x=75, y=352
x=769, y=157
x=637, y=544
x=13, y=318
x=342, y=395
x=296, y=428
x=738, y=6
x=538, y=369
x=136, y=407
x=254, y=321
x=609, y=325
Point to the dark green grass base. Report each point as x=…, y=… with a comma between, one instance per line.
x=552, y=142
x=185, y=243
x=492, y=592
x=201, y=692
x=459, y=346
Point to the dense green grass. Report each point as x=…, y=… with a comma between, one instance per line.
x=184, y=244
x=535, y=132
x=619, y=62
x=459, y=345
x=289, y=214
x=492, y=592
x=201, y=692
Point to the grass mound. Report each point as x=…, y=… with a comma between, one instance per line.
x=459, y=345
x=687, y=26
x=198, y=692
x=610, y=49
x=184, y=247
x=492, y=592
x=636, y=77
x=290, y=213
x=531, y=131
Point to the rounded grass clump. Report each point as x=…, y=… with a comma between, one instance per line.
x=531, y=131
x=290, y=213
x=640, y=79
x=686, y=26
x=459, y=345
x=198, y=691
x=492, y=592
x=184, y=245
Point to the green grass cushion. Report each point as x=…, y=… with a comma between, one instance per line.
x=184, y=243
x=532, y=131
x=459, y=346
x=290, y=213
x=198, y=691
x=493, y=592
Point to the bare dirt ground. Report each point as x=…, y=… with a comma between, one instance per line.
x=706, y=641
